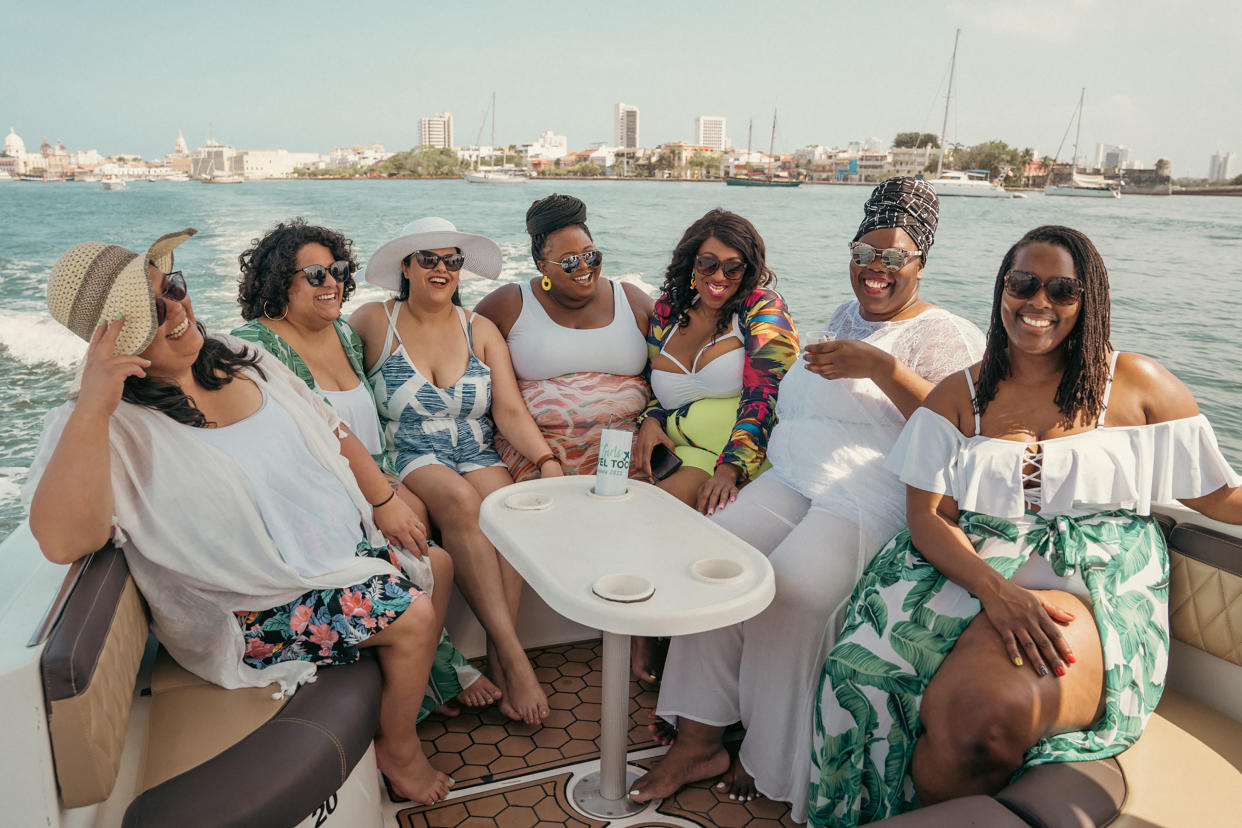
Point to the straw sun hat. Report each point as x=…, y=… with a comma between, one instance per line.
x=93, y=281
x=482, y=254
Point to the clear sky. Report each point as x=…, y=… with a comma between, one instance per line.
x=1164, y=79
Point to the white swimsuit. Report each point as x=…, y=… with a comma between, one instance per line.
x=720, y=378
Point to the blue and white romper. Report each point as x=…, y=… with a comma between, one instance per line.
x=425, y=424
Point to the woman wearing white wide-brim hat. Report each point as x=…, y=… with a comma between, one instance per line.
x=440, y=376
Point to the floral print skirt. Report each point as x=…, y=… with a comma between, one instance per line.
x=904, y=618
x=326, y=627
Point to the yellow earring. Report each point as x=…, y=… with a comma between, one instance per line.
x=546, y=283
x=692, y=283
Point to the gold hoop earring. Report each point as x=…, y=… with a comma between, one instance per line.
x=268, y=314
x=545, y=283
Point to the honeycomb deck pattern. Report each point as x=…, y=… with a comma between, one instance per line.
x=480, y=747
x=484, y=746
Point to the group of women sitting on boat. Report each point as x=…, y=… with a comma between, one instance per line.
x=319, y=505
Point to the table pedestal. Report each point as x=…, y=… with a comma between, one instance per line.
x=606, y=793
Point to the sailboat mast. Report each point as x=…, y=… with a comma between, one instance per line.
x=1078, y=132
x=944, y=128
x=493, y=129
x=772, y=144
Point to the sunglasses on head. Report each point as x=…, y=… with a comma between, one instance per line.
x=317, y=274
x=1060, y=290
x=428, y=260
x=570, y=263
x=705, y=264
x=174, y=289
x=893, y=258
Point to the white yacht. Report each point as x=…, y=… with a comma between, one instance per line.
x=114, y=183
x=967, y=184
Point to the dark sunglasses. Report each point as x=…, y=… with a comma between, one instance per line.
x=428, y=260
x=570, y=263
x=1060, y=290
x=893, y=258
x=705, y=264
x=174, y=289
x=317, y=274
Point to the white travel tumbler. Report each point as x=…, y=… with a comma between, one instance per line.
x=614, y=462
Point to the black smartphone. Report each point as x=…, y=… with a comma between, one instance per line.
x=664, y=461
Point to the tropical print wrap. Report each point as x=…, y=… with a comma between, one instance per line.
x=351, y=343
x=904, y=617
x=771, y=343
x=571, y=411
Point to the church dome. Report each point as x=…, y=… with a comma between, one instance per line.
x=13, y=144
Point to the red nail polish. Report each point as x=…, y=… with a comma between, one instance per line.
x=1060, y=670
x=1071, y=615
x=1070, y=658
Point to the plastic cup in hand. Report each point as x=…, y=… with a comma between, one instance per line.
x=826, y=336
x=613, y=469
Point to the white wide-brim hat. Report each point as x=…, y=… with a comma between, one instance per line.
x=482, y=254
x=93, y=281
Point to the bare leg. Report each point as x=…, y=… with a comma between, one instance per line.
x=522, y=690
x=697, y=754
x=642, y=658
x=981, y=713
x=405, y=652
x=454, y=505
x=684, y=484
x=481, y=692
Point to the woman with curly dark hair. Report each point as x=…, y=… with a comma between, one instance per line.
x=293, y=283
x=720, y=341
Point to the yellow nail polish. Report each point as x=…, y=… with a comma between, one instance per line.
x=1017, y=660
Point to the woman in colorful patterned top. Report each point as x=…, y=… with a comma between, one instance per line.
x=720, y=341
x=1030, y=624
x=293, y=284
x=825, y=507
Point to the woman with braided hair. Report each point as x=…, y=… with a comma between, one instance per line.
x=1022, y=618
x=577, y=340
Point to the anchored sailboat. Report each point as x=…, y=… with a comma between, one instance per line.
x=494, y=174
x=1081, y=185
x=766, y=180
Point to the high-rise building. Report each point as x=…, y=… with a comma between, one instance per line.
x=1221, y=167
x=625, y=126
x=1111, y=156
x=436, y=131
x=709, y=131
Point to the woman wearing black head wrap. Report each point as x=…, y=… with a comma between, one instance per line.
x=577, y=340
x=820, y=513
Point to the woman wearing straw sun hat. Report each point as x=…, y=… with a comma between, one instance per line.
x=207, y=462
x=437, y=425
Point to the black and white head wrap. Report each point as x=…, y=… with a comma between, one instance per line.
x=905, y=202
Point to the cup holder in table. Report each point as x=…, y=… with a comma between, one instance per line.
x=716, y=570
x=528, y=502
x=623, y=588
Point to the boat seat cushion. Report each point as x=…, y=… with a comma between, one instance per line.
x=88, y=665
x=205, y=741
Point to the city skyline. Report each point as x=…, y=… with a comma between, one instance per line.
x=1157, y=82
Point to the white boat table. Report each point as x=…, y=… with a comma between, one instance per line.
x=641, y=563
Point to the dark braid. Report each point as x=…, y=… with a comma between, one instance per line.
x=552, y=213
x=732, y=230
x=1081, y=390
x=215, y=367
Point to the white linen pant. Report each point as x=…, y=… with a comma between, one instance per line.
x=761, y=671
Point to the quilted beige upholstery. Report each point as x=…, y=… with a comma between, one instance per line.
x=88, y=730
x=1205, y=607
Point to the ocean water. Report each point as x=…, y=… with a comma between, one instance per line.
x=1174, y=263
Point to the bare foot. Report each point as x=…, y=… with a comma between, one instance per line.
x=663, y=732
x=448, y=710
x=642, y=659
x=480, y=693
x=737, y=783
x=415, y=779
x=684, y=763
x=524, y=699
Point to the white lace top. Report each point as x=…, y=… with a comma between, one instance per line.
x=832, y=435
x=1121, y=467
